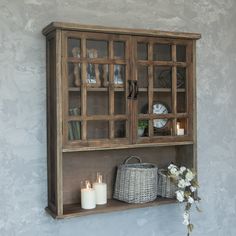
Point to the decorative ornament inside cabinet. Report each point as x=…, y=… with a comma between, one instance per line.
x=114, y=93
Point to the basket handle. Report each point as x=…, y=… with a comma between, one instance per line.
x=132, y=157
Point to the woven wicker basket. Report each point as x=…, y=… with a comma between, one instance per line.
x=136, y=183
x=165, y=187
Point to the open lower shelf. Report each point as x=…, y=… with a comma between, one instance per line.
x=73, y=210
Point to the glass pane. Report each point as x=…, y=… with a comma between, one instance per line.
x=181, y=77
x=181, y=128
x=162, y=95
x=73, y=48
x=142, y=51
x=162, y=77
x=162, y=101
x=162, y=127
x=162, y=52
x=142, y=128
x=143, y=102
x=94, y=75
x=181, y=53
x=97, y=103
x=181, y=90
x=119, y=50
x=97, y=129
x=119, y=75
x=120, y=101
x=74, y=75
x=74, y=103
x=143, y=76
x=97, y=49
x=97, y=75
x=74, y=130
x=120, y=129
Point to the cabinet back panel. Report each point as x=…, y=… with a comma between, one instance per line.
x=80, y=166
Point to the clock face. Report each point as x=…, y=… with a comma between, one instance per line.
x=159, y=108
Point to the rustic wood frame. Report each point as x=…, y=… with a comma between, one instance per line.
x=182, y=149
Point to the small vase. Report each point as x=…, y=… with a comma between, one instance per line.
x=140, y=132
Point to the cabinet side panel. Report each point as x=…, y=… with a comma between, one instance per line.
x=51, y=120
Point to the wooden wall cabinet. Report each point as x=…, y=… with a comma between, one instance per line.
x=102, y=85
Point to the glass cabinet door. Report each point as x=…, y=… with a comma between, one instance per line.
x=162, y=80
x=97, y=71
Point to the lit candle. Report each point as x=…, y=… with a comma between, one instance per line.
x=179, y=130
x=100, y=190
x=88, y=196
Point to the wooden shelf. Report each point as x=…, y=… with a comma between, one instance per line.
x=162, y=63
x=118, y=146
x=100, y=61
x=76, y=89
x=74, y=210
x=161, y=90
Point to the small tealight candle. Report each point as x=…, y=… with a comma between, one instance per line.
x=88, y=196
x=179, y=130
x=100, y=190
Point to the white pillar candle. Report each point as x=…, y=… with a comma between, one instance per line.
x=88, y=200
x=100, y=191
x=179, y=130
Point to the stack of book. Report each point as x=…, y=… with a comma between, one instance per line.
x=74, y=127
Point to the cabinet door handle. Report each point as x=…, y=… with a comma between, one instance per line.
x=131, y=89
x=135, y=90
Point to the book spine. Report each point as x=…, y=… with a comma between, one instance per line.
x=72, y=135
x=70, y=131
x=77, y=123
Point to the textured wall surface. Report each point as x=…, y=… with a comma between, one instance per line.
x=23, y=189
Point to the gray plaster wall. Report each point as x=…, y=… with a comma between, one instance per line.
x=23, y=187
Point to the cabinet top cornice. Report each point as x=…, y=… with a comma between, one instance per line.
x=115, y=30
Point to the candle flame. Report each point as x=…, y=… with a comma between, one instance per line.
x=87, y=184
x=99, y=178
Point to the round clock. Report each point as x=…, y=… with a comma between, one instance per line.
x=160, y=108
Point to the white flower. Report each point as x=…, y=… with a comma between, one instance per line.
x=186, y=218
x=182, y=169
x=193, y=189
x=181, y=183
x=174, y=171
x=180, y=195
x=187, y=183
x=186, y=215
x=186, y=222
x=189, y=175
x=190, y=200
x=172, y=166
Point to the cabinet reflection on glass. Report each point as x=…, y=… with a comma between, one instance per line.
x=119, y=74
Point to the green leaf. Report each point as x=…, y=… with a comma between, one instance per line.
x=188, y=206
x=190, y=227
x=187, y=194
x=195, y=183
